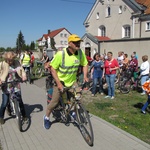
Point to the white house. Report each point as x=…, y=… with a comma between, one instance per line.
x=118, y=25
x=60, y=37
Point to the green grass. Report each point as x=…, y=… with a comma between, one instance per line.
x=124, y=112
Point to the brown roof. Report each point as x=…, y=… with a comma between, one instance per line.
x=52, y=33
x=102, y=38
x=145, y=3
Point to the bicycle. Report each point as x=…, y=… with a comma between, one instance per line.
x=74, y=111
x=14, y=104
x=126, y=82
x=40, y=70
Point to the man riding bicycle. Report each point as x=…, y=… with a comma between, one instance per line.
x=64, y=67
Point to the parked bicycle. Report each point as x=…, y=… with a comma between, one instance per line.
x=127, y=83
x=14, y=104
x=40, y=70
x=70, y=109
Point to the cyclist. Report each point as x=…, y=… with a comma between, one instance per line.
x=25, y=60
x=10, y=69
x=45, y=60
x=64, y=67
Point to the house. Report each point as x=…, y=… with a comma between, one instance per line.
x=60, y=37
x=118, y=25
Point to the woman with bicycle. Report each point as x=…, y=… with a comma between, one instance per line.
x=10, y=70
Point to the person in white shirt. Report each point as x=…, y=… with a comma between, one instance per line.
x=120, y=62
x=144, y=71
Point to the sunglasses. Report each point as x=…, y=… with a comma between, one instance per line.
x=76, y=43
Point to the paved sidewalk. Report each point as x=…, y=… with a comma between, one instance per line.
x=59, y=136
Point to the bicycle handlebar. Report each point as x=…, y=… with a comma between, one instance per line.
x=15, y=81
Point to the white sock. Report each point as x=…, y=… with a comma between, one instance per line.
x=47, y=118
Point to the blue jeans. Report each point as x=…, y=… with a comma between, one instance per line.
x=95, y=81
x=146, y=104
x=5, y=101
x=110, y=79
x=144, y=79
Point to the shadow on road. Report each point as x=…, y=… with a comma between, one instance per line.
x=29, y=110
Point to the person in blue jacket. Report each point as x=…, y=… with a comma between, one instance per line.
x=97, y=72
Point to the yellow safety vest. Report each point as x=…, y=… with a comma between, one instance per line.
x=26, y=60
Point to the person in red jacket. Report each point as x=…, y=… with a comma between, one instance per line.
x=110, y=67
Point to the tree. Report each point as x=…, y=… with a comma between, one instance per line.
x=20, y=43
x=32, y=45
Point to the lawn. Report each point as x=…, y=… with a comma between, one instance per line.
x=124, y=112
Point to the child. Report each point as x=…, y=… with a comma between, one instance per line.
x=146, y=88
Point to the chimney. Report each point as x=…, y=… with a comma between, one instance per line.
x=49, y=31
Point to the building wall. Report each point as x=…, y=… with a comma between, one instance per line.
x=113, y=23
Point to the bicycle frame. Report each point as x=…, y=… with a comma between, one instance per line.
x=82, y=119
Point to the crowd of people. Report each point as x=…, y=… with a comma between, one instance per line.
x=106, y=67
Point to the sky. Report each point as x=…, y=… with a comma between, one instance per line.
x=35, y=17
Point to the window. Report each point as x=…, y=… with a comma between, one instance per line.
x=61, y=35
x=61, y=42
x=126, y=31
x=108, y=11
x=147, y=25
x=65, y=35
x=120, y=9
x=97, y=15
x=102, y=31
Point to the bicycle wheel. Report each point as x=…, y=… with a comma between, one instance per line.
x=38, y=73
x=125, y=86
x=84, y=123
x=18, y=114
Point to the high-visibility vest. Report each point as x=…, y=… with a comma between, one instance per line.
x=64, y=69
x=26, y=60
x=68, y=68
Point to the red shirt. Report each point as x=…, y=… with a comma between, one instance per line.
x=89, y=59
x=110, y=64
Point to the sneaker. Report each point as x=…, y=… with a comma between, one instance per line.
x=143, y=93
x=112, y=97
x=142, y=111
x=47, y=123
x=92, y=95
x=107, y=96
x=2, y=121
